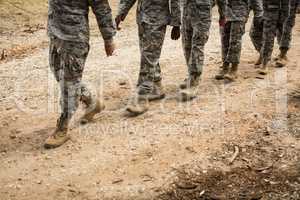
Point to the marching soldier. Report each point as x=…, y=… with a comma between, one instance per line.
x=236, y=13
x=275, y=12
x=196, y=23
x=153, y=17
x=68, y=29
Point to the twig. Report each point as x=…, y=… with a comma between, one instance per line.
x=236, y=153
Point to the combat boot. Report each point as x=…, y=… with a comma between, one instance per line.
x=282, y=59
x=191, y=82
x=60, y=135
x=264, y=69
x=92, y=109
x=223, y=71
x=151, y=91
x=232, y=75
x=258, y=62
x=136, y=108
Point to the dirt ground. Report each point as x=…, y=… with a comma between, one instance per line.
x=235, y=141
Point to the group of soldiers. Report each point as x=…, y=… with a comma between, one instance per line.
x=68, y=30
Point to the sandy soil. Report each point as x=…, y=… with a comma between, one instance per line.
x=174, y=151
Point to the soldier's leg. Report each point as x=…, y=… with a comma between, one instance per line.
x=284, y=37
x=151, y=41
x=256, y=35
x=200, y=35
x=67, y=60
x=200, y=38
x=269, y=33
x=187, y=35
x=234, y=53
x=225, y=39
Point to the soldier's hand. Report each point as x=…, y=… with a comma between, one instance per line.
x=109, y=47
x=118, y=20
x=175, y=34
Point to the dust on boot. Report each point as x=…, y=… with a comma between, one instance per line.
x=151, y=91
x=224, y=69
x=92, y=108
x=232, y=75
x=264, y=70
x=258, y=62
x=282, y=59
x=60, y=135
x=190, y=82
x=137, y=107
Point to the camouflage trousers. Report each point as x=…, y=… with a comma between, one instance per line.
x=285, y=30
x=231, y=37
x=271, y=25
x=67, y=60
x=256, y=33
x=196, y=23
x=151, y=38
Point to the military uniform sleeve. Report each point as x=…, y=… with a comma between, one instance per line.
x=125, y=6
x=104, y=18
x=175, y=13
x=221, y=8
x=257, y=6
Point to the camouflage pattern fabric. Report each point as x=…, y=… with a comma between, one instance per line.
x=67, y=61
x=196, y=23
x=153, y=16
x=256, y=33
x=284, y=33
x=236, y=13
x=154, y=12
x=68, y=20
x=275, y=12
x=151, y=40
x=232, y=41
x=256, y=30
x=68, y=30
x=238, y=10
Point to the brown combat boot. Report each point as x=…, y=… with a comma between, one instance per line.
x=60, y=135
x=232, y=75
x=258, y=62
x=190, y=82
x=224, y=69
x=186, y=95
x=137, y=108
x=91, y=110
x=282, y=59
x=151, y=92
x=264, y=70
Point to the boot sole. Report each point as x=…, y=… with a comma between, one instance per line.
x=53, y=146
x=151, y=97
x=136, y=112
x=89, y=117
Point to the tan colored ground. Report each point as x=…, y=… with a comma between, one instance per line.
x=118, y=157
